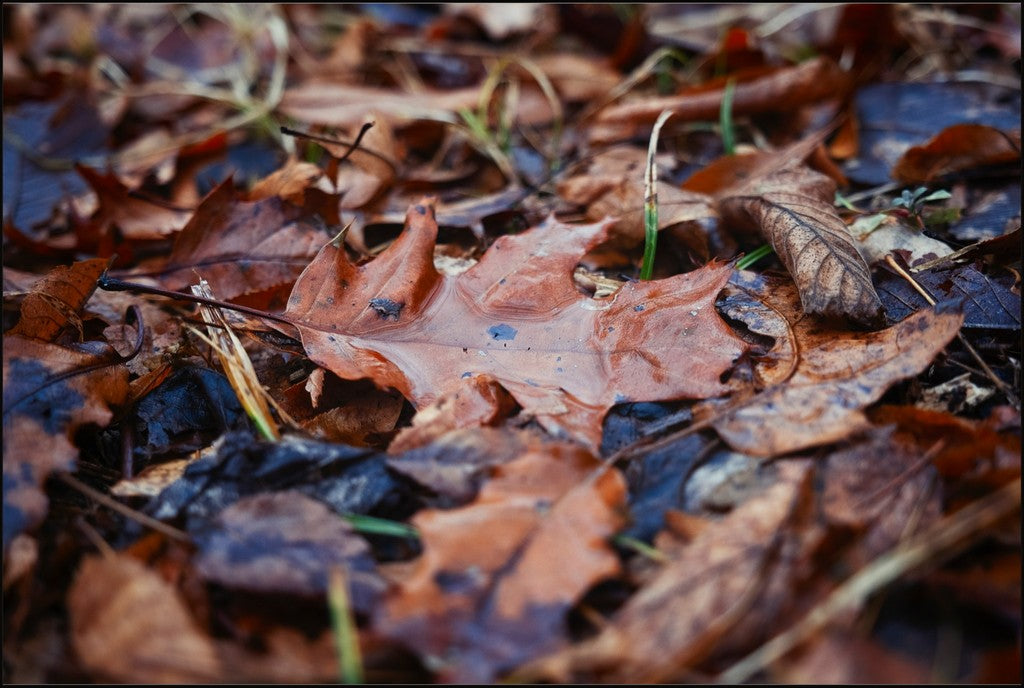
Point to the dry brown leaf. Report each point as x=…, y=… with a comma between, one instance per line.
x=41, y=414
x=838, y=374
x=240, y=247
x=793, y=210
x=498, y=576
x=518, y=317
x=612, y=185
x=786, y=88
x=957, y=149
x=55, y=301
x=135, y=217
x=130, y=626
x=681, y=615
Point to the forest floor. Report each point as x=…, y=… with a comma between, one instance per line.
x=511, y=343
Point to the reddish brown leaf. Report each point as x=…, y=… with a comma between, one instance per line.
x=240, y=247
x=793, y=210
x=136, y=218
x=786, y=89
x=838, y=373
x=54, y=302
x=130, y=626
x=518, y=317
x=957, y=149
x=41, y=414
x=497, y=577
x=679, y=617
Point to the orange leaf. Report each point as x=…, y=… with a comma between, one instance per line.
x=956, y=149
x=55, y=300
x=497, y=577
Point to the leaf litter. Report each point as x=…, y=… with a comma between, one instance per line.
x=511, y=454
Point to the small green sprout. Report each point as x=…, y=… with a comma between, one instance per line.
x=910, y=204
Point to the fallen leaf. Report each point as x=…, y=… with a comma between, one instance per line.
x=612, y=185
x=502, y=19
x=836, y=658
x=838, y=374
x=239, y=247
x=955, y=150
x=516, y=316
x=879, y=486
x=56, y=300
x=793, y=210
x=786, y=88
x=986, y=302
x=41, y=414
x=891, y=236
x=136, y=218
x=498, y=576
x=285, y=543
x=694, y=600
x=129, y=625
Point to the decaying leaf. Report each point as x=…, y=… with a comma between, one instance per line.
x=680, y=616
x=957, y=149
x=286, y=543
x=497, y=577
x=134, y=217
x=238, y=246
x=838, y=374
x=131, y=626
x=793, y=210
x=516, y=316
x=54, y=302
x=41, y=413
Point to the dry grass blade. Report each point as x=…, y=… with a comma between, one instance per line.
x=939, y=542
x=237, y=365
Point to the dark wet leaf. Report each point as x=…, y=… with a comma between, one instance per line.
x=348, y=479
x=41, y=413
x=956, y=150
x=984, y=301
x=287, y=543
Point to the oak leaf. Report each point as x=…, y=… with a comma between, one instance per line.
x=518, y=317
x=498, y=576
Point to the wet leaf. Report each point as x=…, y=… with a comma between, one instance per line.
x=285, y=542
x=838, y=374
x=956, y=150
x=136, y=218
x=695, y=599
x=238, y=246
x=131, y=626
x=41, y=413
x=55, y=301
x=517, y=317
x=985, y=302
x=498, y=576
x=793, y=210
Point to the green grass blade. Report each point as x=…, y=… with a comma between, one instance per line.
x=725, y=118
x=752, y=257
x=380, y=526
x=651, y=200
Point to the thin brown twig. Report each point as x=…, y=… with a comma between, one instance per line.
x=126, y=511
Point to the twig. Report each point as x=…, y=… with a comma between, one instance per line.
x=120, y=508
x=1010, y=396
x=939, y=542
